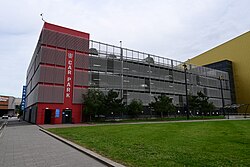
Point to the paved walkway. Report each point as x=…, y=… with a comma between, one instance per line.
x=24, y=145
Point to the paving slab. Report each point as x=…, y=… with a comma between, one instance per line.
x=24, y=145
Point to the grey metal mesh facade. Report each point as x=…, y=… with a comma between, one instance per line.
x=136, y=75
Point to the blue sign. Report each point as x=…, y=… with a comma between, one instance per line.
x=57, y=115
x=23, y=102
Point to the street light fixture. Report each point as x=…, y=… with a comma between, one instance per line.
x=187, y=105
x=222, y=96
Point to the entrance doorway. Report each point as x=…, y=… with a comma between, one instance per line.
x=67, y=116
x=47, y=117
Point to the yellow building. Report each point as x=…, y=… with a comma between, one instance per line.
x=237, y=51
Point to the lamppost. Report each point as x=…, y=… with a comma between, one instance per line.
x=187, y=106
x=222, y=97
x=121, y=54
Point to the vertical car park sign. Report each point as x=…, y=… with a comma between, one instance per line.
x=69, y=76
x=23, y=102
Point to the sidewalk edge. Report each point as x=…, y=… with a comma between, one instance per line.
x=2, y=128
x=90, y=153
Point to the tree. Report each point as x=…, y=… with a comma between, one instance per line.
x=112, y=102
x=162, y=104
x=135, y=107
x=194, y=103
x=200, y=103
x=93, y=102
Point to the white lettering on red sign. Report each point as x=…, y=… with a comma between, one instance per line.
x=69, y=75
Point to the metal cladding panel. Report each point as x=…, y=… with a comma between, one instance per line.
x=82, y=61
x=64, y=40
x=110, y=81
x=179, y=76
x=60, y=57
x=32, y=97
x=117, y=66
x=27, y=113
x=47, y=94
x=211, y=92
x=42, y=73
x=81, y=45
x=78, y=95
x=50, y=94
x=81, y=78
x=126, y=82
x=53, y=56
x=70, y=42
x=59, y=75
x=103, y=81
x=28, y=88
x=213, y=82
x=27, y=99
x=226, y=94
x=50, y=37
x=164, y=86
x=171, y=88
x=47, y=55
x=30, y=74
x=40, y=93
x=99, y=64
x=192, y=79
x=115, y=81
x=38, y=59
x=58, y=94
x=145, y=98
x=203, y=81
x=141, y=84
x=135, y=68
x=159, y=73
x=35, y=78
x=153, y=85
x=125, y=67
x=49, y=75
x=143, y=70
x=61, y=40
x=225, y=84
x=75, y=43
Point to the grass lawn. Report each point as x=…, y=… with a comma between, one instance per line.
x=219, y=143
x=158, y=119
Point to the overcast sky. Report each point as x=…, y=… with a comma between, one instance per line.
x=177, y=29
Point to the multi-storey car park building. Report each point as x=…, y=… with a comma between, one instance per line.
x=66, y=64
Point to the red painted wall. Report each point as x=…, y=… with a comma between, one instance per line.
x=76, y=112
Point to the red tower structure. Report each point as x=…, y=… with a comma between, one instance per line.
x=53, y=96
